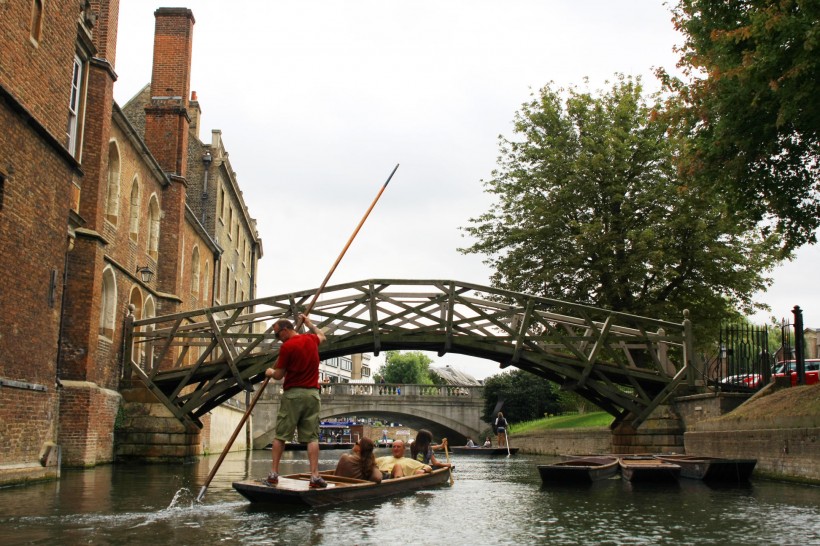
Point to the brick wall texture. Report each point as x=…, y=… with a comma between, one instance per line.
x=75, y=228
x=37, y=175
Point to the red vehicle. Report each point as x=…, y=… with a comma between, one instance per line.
x=812, y=371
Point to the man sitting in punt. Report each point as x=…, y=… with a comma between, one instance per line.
x=397, y=465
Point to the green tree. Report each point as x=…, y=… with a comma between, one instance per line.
x=411, y=367
x=526, y=397
x=591, y=209
x=749, y=107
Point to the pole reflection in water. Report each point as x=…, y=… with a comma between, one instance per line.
x=493, y=501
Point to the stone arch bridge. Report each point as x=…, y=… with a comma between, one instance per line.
x=625, y=364
x=451, y=411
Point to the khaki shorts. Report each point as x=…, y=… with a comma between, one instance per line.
x=299, y=410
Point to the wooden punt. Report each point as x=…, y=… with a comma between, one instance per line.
x=648, y=469
x=293, y=489
x=583, y=470
x=712, y=469
x=463, y=450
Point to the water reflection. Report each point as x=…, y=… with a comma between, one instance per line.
x=493, y=501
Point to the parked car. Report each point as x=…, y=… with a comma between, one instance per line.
x=812, y=371
x=750, y=380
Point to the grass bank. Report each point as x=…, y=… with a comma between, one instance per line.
x=574, y=420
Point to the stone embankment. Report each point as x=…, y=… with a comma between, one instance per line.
x=780, y=427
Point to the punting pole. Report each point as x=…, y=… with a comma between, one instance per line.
x=298, y=325
x=447, y=454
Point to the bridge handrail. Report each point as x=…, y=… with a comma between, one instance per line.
x=601, y=353
x=402, y=389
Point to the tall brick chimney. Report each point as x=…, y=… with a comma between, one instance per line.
x=166, y=117
x=167, y=122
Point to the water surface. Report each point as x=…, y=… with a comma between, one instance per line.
x=496, y=500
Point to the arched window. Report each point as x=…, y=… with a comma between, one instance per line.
x=195, y=271
x=36, y=20
x=108, y=304
x=134, y=224
x=112, y=197
x=153, y=227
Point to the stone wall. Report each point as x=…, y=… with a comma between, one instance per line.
x=87, y=415
x=780, y=427
x=224, y=420
x=700, y=407
x=148, y=432
x=788, y=454
x=565, y=441
x=661, y=432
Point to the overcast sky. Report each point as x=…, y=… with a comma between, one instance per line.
x=318, y=100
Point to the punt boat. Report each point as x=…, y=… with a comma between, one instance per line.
x=293, y=489
x=712, y=469
x=582, y=470
x=648, y=469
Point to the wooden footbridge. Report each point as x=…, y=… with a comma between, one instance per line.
x=625, y=364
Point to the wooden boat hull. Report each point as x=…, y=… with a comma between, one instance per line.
x=583, y=470
x=293, y=489
x=648, y=470
x=712, y=469
x=462, y=450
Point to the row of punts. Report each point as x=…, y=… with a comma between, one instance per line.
x=584, y=469
x=647, y=468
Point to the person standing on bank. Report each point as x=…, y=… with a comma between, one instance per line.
x=500, y=425
x=300, y=403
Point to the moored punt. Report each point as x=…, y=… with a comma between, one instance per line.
x=294, y=490
x=463, y=450
x=713, y=469
x=583, y=470
x=648, y=469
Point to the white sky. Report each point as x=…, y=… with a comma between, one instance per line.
x=318, y=100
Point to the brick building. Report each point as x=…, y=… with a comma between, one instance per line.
x=97, y=223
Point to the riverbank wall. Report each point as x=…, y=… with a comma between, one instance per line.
x=780, y=427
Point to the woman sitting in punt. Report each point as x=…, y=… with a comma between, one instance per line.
x=422, y=449
x=361, y=464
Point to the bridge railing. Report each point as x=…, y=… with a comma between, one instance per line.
x=198, y=359
x=395, y=389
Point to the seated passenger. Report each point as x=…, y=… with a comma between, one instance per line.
x=397, y=465
x=487, y=442
x=470, y=443
x=422, y=449
x=361, y=464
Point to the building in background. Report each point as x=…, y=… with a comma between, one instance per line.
x=346, y=369
x=105, y=214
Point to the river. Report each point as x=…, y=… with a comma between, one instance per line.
x=492, y=501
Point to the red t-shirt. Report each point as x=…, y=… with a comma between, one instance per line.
x=299, y=357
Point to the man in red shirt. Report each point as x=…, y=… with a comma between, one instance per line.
x=300, y=404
